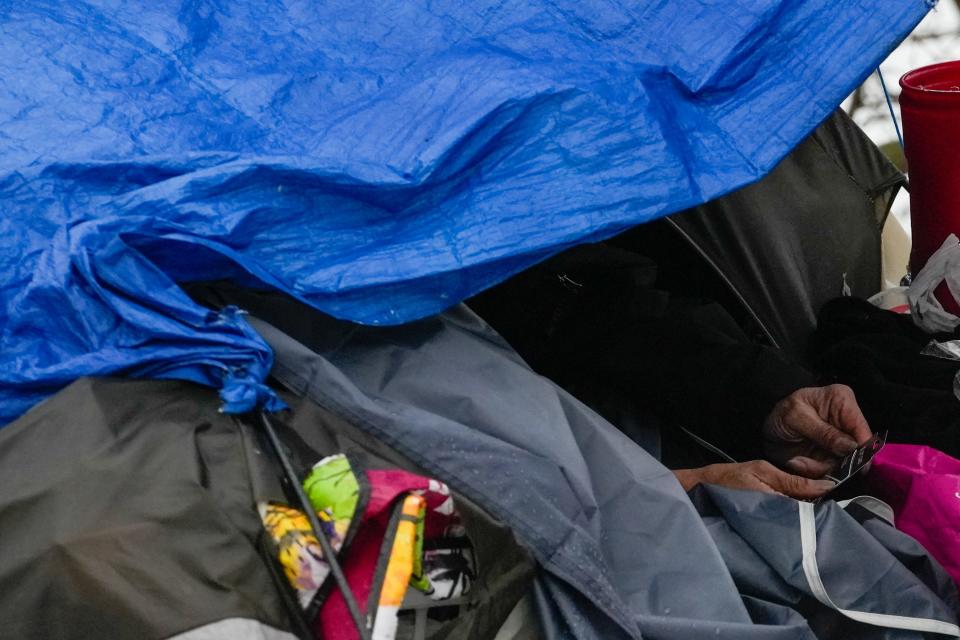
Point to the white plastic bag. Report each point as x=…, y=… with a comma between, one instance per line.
x=926, y=310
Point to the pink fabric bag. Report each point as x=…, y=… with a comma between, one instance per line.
x=923, y=487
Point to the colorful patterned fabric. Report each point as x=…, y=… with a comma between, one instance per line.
x=448, y=570
x=392, y=530
x=298, y=550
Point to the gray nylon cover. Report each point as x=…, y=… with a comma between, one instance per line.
x=125, y=508
x=866, y=565
x=626, y=553
x=597, y=511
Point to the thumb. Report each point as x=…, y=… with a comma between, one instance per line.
x=809, y=466
x=797, y=486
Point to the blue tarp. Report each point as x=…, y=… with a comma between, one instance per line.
x=378, y=160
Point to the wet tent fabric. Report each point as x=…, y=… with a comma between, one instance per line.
x=624, y=552
x=809, y=232
x=143, y=523
x=127, y=512
x=380, y=161
x=562, y=478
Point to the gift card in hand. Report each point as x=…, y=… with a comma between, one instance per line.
x=853, y=463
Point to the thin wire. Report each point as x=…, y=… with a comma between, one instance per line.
x=893, y=114
x=706, y=445
x=328, y=553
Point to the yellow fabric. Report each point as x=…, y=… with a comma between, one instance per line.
x=400, y=565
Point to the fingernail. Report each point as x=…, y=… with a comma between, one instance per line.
x=848, y=445
x=825, y=485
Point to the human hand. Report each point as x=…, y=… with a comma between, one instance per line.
x=757, y=475
x=810, y=430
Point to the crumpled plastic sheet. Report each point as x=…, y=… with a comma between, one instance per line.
x=378, y=160
x=942, y=267
x=947, y=350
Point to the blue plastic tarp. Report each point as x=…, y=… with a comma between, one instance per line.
x=378, y=160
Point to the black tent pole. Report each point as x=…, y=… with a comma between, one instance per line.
x=328, y=552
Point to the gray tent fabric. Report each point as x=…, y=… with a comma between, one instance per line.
x=624, y=552
x=864, y=564
x=522, y=623
x=450, y=395
x=126, y=512
x=789, y=243
x=126, y=507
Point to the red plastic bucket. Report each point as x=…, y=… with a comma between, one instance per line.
x=930, y=108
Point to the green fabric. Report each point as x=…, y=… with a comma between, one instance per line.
x=332, y=487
